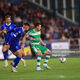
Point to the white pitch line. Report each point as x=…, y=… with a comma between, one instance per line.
x=61, y=76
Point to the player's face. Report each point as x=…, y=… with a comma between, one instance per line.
x=26, y=28
x=8, y=20
x=39, y=27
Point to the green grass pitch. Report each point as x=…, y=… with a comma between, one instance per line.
x=70, y=70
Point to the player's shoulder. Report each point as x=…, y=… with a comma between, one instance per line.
x=4, y=25
x=30, y=31
x=13, y=24
x=18, y=28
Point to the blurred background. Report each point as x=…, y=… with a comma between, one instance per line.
x=60, y=21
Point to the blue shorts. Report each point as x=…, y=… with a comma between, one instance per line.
x=6, y=41
x=14, y=46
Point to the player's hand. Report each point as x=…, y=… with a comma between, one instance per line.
x=4, y=30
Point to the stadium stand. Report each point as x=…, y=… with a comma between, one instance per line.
x=52, y=29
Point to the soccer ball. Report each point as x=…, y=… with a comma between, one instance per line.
x=62, y=59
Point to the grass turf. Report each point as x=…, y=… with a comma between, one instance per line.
x=70, y=70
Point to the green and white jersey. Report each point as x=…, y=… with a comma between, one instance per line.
x=34, y=37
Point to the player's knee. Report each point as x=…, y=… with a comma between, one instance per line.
x=19, y=51
x=20, y=55
x=39, y=53
x=48, y=52
x=23, y=54
x=8, y=47
x=4, y=49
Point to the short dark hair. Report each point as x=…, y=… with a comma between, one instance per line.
x=7, y=16
x=37, y=24
x=26, y=24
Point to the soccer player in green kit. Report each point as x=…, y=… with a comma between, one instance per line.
x=37, y=48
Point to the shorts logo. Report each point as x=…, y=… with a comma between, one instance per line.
x=19, y=31
x=16, y=47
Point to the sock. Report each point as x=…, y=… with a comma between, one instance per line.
x=13, y=68
x=16, y=61
x=5, y=53
x=22, y=59
x=6, y=61
x=38, y=60
x=47, y=59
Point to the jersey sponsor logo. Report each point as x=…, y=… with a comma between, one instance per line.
x=34, y=38
x=37, y=33
x=35, y=43
x=10, y=27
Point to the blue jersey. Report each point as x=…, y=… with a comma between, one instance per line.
x=14, y=40
x=9, y=28
x=17, y=34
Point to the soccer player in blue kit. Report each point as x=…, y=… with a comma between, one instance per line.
x=7, y=29
x=14, y=45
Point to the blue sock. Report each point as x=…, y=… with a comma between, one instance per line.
x=5, y=54
x=16, y=61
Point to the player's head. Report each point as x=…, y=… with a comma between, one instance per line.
x=26, y=26
x=8, y=19
x=38, y=26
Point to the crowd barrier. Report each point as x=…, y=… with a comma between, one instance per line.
x=58, y=48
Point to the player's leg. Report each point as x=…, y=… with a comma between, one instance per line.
x=16, y=50
x=23, y=61
x=47, y=52
x=47, y=57
x=39, y=56
x=17, y=59
x=5, y=54
x=36, y=50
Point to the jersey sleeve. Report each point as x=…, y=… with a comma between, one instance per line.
x=1, y=28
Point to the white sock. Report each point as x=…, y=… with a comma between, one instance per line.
x=13, y=68
x=45, y=64
x=6, y=61
x=22, y=59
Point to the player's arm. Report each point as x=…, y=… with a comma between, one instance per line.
x=17, y=32
x=42, y=42
x=3, y=31
x=23, y=42
x=24, y=39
